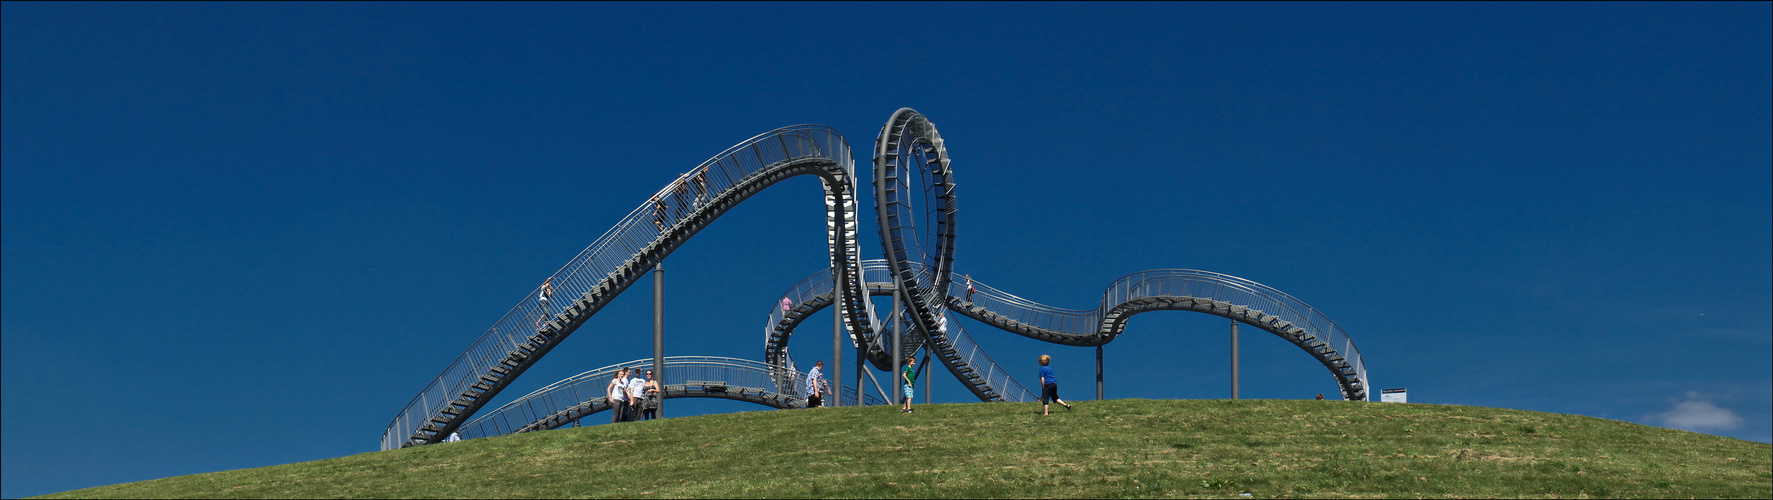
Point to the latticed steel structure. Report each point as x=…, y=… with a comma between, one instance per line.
x=914, y=198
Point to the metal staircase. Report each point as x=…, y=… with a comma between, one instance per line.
x=622, y=255
x=915, y=208
x=955, y=348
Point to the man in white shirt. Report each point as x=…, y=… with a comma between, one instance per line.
x=636, y=393
x=815, y=397
x=618, y=396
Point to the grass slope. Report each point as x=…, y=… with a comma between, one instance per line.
x=1116, y=448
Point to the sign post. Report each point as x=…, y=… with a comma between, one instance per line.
x=1398, y=395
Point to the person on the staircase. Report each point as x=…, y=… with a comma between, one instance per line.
x=542, y=300
x=969, y=287
x=910, y=379
x=701, y=187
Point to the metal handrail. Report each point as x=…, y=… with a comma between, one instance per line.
x=1166, y=283
x=877, y=273
x=995, y=376
x=640, y=229
x=588, y=387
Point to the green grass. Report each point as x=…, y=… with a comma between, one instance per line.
x=1117, y=448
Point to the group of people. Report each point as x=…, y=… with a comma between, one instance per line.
x=681, y=192
x=632, y=397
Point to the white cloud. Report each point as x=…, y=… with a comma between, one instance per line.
x=1699, y=415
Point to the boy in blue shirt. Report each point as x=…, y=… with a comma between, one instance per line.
x=1049, y=386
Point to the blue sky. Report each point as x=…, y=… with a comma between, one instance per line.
x=239, y=235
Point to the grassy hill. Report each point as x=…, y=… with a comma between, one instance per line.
x=1116, y=448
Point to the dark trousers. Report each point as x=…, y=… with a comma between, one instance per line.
x=814, y=401
x=1049, y=393
x=620, y=410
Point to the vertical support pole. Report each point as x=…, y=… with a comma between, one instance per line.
x=860, y=397
x=659, y=331
x=1098, y=373
x=928, y=381
x=898, y=355
x=1234, y=359
x=837, y=336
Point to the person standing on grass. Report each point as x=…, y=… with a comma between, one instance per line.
x=636, y=394
x=1049, y=386
x=618, y=395
x=815, y=397
x=650, y=410
x=909, y=377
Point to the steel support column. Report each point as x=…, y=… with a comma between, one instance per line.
x=1234, y=359
x=659, y=330
x=898, y=355
x=1098, y=373
x=837, y=337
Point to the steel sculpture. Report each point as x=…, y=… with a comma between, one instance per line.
x=914, y=192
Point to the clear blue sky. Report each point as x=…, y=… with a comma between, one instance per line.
x=239, y=235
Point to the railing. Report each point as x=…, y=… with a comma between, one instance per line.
x=587, y=387
x=1240, y=291
x=638, y=230
x=877, y=272
x=995, y=376
x=1026, y=311
x=1167, y=282
x=819, y=283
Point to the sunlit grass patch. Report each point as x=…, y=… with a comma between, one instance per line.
x=1117, y=448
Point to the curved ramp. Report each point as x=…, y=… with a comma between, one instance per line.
x=1218, y=294
x=622, y=256
x=561, y=403
x=1221, y=295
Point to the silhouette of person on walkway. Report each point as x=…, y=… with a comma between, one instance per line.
x=701, y=181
